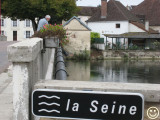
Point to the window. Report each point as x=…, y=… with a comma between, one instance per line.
x=14, y=23
x=2, y=32
x=2, y=22
x=28, y=33
x=27, y=23
x=118, y=25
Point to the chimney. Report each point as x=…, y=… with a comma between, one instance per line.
x=147, y=25
x=103, y=8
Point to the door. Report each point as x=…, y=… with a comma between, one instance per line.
x=14, y=35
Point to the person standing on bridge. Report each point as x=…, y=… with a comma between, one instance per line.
x=43, y=21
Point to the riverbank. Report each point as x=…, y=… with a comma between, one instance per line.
x=131, y=54
x=117, y=55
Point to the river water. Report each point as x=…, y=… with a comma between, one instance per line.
x=115, y=71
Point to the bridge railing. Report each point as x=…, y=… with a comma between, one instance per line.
x=30, y=64
x=33, y=69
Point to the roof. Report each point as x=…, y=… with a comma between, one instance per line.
x=151, y=10
x=74, y=17
x=116, y=11
x=140, y=35
x=142, y=26
x=87, y=11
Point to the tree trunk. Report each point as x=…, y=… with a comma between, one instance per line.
x=34, y=24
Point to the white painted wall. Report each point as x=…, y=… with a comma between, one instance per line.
x=133, y=28
x=84, y=18
x=157, y=28
x=109, y=27
x=21, y=29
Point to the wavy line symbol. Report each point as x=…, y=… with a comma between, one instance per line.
x=49, y=104
x=48, y=111
x=49, y=97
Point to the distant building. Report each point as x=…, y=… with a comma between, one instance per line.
x=113, y=18
x=130, y=7
x=79, y=36
x=16, y=30
x=86, y=13
x=150, y=9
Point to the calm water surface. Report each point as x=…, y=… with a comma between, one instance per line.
x=115, y=71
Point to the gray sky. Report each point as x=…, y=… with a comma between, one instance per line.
x=98, y=2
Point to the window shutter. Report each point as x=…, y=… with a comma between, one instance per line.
x=32, y=33
x=30, y=23
x=17, y=23
x=5, y=33
x=5, y=20
x=24, y=23
x=11, y=23
x=24, y=34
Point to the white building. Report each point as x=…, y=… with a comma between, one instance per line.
x=16, y=30
x=113, y=18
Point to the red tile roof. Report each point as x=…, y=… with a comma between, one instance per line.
x=87, y=11
x=142, y=26
x=151, y=10
x=116, y=11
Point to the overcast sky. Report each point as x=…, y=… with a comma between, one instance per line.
x=98, y=2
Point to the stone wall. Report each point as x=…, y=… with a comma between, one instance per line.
x=79, y=41
x=30, y=65
x=3, y=38
x=79, y=37
x=131, y=54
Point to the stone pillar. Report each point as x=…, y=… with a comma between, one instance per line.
x=26, y=60
x=21, y=91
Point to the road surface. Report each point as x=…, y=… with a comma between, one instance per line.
x=3, y=55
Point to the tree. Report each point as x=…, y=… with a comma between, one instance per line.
x=93, y=36
x=31, y=9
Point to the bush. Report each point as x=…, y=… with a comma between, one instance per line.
x=85, y=55
x=156, y=44
x=94, y=35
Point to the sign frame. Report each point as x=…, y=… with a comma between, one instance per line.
x=85, y=91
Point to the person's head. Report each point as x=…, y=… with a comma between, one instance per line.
x=48, y=17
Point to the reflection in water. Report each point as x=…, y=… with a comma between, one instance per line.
x=115, y=71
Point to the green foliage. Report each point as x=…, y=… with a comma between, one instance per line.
x=94, y=35
x=82, y=56
x=156, y=44
x=31, y=9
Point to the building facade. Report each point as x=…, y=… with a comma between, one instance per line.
x=113, y=18
x=151, y=12
x=16, y=30
x=79, y=36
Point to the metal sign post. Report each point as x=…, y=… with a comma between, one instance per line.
x=87, y=105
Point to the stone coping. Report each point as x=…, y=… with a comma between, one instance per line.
x=25, y=51
x=151, y=92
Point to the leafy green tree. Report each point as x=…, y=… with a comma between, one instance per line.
x=31, y=9
x=94, y=35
